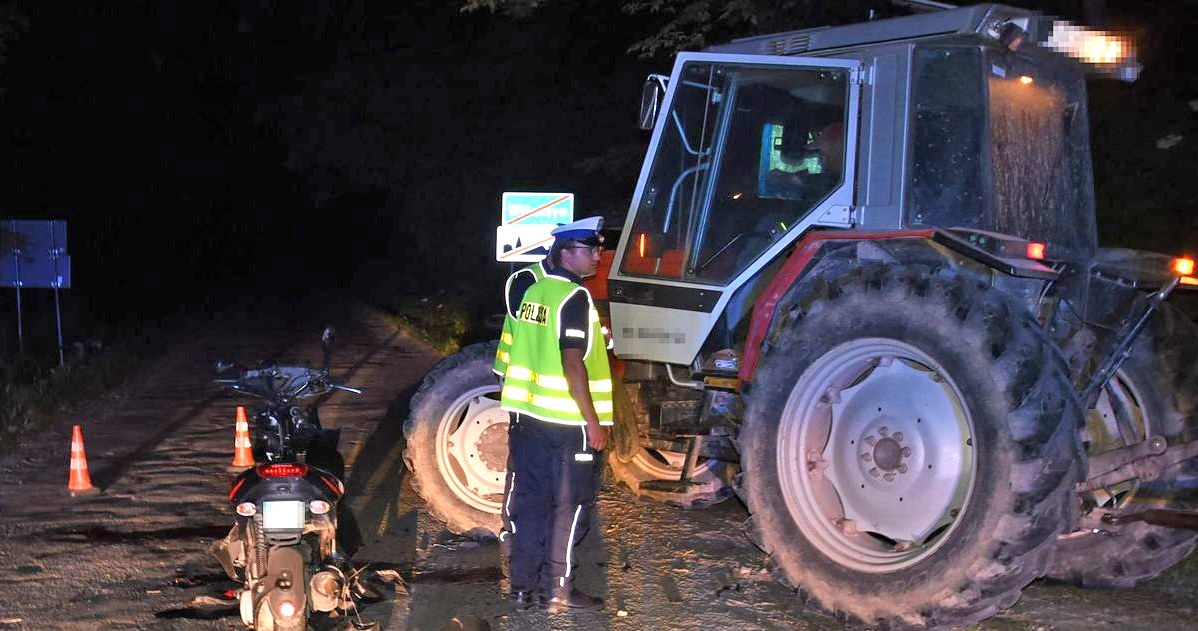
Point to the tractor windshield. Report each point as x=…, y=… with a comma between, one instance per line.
x=746, y=152
x=999, y=142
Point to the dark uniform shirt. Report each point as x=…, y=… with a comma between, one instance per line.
x=575, y=318
x=520, y=283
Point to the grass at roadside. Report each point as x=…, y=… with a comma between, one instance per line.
x=443, y=323
x=32, y=392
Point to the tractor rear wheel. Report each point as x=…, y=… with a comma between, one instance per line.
x=456, y=442
x=910, y=448
x=1153, y=393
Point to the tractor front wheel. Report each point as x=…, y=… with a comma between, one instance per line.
x=456, y=442
x=910, y=448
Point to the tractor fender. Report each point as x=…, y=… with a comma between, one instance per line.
x=803, y=258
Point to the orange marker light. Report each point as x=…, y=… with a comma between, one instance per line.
x=641, y=245
x=1183, y=266
x=1035, y=250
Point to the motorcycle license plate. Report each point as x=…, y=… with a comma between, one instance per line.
x=282, y=515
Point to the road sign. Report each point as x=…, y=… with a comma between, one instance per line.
x=34, y=254
x=550, y=209
x=526, y=219
x=517, y=243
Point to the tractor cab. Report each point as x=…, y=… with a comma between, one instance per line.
x=971, y=118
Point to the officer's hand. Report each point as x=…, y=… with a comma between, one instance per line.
x=596, y=437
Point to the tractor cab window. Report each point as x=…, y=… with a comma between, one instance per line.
x=746, y=152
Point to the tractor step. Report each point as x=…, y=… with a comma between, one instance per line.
x=684, y=483
x=670, y=486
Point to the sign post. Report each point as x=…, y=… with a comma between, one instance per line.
x=34, y=254
x=525, y=221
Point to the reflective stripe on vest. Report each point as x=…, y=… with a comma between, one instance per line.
x=503, y=352
x=535, y=382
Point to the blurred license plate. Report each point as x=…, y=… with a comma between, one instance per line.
x=282, y=515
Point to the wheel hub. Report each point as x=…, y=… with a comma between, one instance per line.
x=492, y=446
x=888, y=452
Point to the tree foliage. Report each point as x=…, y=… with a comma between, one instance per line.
x=675, y=25
x=12, y=22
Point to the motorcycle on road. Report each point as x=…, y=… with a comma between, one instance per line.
x=283, y=548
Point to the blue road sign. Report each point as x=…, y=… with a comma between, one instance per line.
x=34, y=254
x=536, y=208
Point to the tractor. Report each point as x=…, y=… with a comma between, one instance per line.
x=859, y=287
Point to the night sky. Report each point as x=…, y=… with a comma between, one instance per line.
x=273, y=146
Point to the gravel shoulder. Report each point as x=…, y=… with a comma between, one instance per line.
x=134, y=555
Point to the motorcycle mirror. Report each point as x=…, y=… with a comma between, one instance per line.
x=326, y=342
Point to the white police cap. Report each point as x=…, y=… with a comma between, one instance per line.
x=587, y=228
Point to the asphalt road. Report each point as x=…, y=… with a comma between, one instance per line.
x=133, y=556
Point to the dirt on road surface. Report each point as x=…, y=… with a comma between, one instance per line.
x=134, y=555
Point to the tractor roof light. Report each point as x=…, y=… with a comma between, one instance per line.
x=1101, y=48
x=1183, y=266
x=1036, y=250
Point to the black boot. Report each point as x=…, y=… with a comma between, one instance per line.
x=564, y=596
x=522, y=598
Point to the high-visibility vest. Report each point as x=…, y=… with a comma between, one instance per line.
x=503, y=352
x=535, y=382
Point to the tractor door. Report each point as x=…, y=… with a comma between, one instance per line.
x=748, y=153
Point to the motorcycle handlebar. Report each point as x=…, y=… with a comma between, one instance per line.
x=316, y=384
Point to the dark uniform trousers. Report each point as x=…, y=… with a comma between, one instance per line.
x=549, y=493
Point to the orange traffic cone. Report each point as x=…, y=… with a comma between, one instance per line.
x=80, y=481
x=243, y=454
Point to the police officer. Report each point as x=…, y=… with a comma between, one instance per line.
x=558, y=389
x=513, y=293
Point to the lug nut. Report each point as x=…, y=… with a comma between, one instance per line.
x=884, y=431
x=871, y=441
x=889, y=477
x=874, y=472
x=906, y=451
x=902, y=468
x=867, y=457
x=898, y=436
